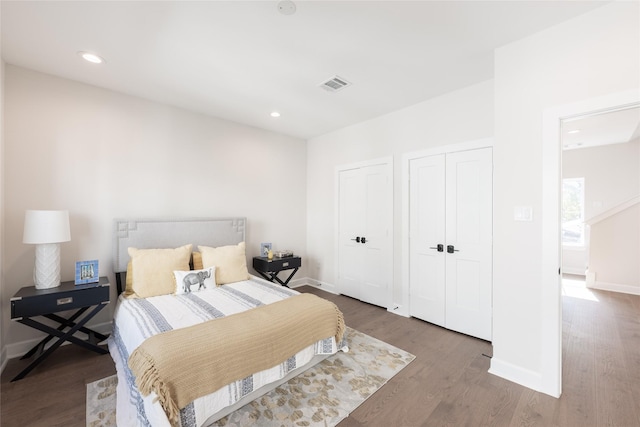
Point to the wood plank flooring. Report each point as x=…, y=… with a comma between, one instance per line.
x=446, y=385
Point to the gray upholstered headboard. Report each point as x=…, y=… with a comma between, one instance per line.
x=149, y=233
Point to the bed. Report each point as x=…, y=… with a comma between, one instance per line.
x=194, y=355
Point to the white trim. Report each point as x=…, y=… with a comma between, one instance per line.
x=403, y=306
x=551, y=302
x=515, y=374
x=615, y=287
x=448, y=148
x=303, y=281
x=331, y=288
x=614, y=210
x=323, y=286
x=365, y=163
x=294, y=283
x=388, y=162
x=575, y=271
x=574, y=248
x=399, y=310
x=18, y=349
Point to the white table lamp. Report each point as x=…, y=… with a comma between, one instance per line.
x=46, y=229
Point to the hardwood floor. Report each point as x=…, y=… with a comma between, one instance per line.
x=446, y=385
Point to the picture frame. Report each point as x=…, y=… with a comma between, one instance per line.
x=87, y=272
x=264, y=249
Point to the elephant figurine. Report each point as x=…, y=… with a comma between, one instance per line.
x=195, y=278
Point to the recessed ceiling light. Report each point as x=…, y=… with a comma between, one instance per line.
x=275, y=114
x=91, y=57
x=574, y=131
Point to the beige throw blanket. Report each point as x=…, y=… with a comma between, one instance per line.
x=184, y=364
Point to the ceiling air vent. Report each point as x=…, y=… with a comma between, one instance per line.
x=334, y=84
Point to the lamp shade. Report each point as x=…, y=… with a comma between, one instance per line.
x=46, y=227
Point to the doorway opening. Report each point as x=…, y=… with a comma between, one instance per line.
x=551, y=296
x=600, y=171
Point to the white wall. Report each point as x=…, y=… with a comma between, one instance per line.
x=611, y=175
x=459, y=116
x=590, y=56
x=615, y=252
x=104, y=155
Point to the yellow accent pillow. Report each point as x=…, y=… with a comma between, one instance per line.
x=196, y=257
x=230, y=262
x=153, y=269
x=128, y=290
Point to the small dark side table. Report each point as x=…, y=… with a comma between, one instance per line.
x=30, y=302
x=269, y=268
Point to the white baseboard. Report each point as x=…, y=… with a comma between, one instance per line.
x=305, y=281
x=615, y=287
x=516, y=374
x=294, y=283
x=399, y=310
x=327, y=287
x=20, y=348
x=576, y=271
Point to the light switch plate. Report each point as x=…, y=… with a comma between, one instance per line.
x=523, y=213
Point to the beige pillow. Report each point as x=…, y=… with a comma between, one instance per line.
x=196, y=259
x=128, y=290
x=153, y=269
x=230, y=262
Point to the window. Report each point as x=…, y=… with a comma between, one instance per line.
x=573, y=212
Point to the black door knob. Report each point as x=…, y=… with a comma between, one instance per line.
x=363, y=240
x=451, y=249
x=357, y=239
x=440, y=247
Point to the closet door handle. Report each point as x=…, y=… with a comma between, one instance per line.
x=363, y=240
x=450, y=249
x=357, y=239
x=440, y=247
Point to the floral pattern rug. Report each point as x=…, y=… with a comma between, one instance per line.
x=321, y=396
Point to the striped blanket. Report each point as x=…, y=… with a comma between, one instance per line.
x=138, y=319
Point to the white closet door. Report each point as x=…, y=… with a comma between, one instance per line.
x=351, y=211
x=377, y=247
x=450, y=204
x=365, y=213
x=427, y=231
x=469, y=198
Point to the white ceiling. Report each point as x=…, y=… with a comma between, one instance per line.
x=240, y=60
x=613, y=127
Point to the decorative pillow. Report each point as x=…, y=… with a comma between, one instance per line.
x=153, y=269
x=196, y=259
x=128, y=290
x=230, y=262
x=195, y=280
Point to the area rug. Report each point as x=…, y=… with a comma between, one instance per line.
x=321, y=396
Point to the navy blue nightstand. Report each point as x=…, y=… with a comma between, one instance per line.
x=269, y=268
x=30, y=302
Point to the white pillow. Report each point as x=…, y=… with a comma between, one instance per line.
x=195, y=280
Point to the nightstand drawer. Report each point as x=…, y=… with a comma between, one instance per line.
x=276, y=264
x=34, y=302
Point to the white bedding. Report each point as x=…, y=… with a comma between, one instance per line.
x=137, y=319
